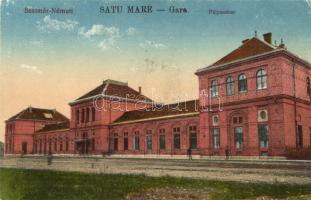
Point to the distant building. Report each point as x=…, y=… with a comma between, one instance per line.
x=254, y=101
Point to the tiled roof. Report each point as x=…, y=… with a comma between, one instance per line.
x=54, y=127
x=31, y=113
x=116, y=89
x=156, y=111
x=251, y=47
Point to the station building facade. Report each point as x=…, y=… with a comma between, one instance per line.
x=255, y=101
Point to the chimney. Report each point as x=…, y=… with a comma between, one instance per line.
x=30, y=109
x=139, y=89
x=268, y=37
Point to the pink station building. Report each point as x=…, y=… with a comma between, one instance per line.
x=255, y=101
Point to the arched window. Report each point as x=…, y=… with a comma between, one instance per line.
x=230, y=85
x=308, y=86
x=93, y=114
x=242, y=84
x=261, y=77
x=214, y=88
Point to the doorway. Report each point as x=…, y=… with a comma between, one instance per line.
x=24, y=147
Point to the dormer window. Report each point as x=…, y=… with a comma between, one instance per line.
x=214, y=88
x=48, y=115
x=242, y=84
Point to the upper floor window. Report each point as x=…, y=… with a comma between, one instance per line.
x=82, y=116
x=214, y=88
x=261, y=77
x=242, y=84
x=308, y=86
x=87, y=115
x=93, y=114
x=230, y=85
x=77, y=116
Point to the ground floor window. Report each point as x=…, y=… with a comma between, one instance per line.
x=67, y=144
x=93, y=144
x=216, y=137
x=193, y=137
x=162, y=141
x=238, y=137
x=61, y=145
x=115, y=142
x=136, y=141
x=176, y=141
x=126, y=141
x=24, y=147
x=263, y=133
x=55, y=144
x=50, y=146
x=40, y=146
x=299, y=137
x=149, y=141
x=193, y=140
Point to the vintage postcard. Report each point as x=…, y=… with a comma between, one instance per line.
x=160, y=99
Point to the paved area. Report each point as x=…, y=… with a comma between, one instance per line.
x=291, y=172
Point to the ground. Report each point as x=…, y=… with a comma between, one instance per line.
x=18, y=184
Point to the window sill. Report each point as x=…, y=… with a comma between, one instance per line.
x=242, y=92
x=262, y=89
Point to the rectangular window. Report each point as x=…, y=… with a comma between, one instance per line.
x=50, y=145
x=82, y=116
x=299, y=139
x=193, y=137
x=136, y=141
x=55, y=145
x=263, y=133
x=238, y=137
x=216, y=138
x=176, y=133
x=93, y=144
x=176, y=141
x=77, y=116
x=115, y=142
x=149, y=141
x=162, y=141
x=61, y=145
x=126, y=141
x=67, y=144
x=93, y=114
x=193, y=140
x=214, y=88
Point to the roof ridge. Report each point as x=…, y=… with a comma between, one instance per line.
x=20, y=113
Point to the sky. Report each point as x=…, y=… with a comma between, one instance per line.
x=48, y=59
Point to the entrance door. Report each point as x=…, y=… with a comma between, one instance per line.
x=24, y=147
x=115, y=144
